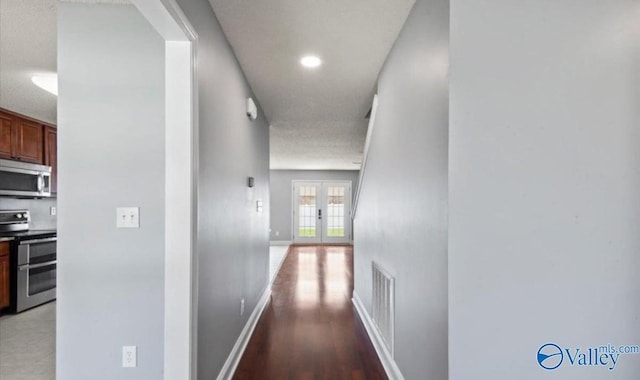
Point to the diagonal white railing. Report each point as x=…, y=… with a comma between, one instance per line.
x=367, y=141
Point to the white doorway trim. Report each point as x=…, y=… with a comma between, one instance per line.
x=181, y=135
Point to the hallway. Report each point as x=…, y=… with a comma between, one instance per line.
x=310, y=330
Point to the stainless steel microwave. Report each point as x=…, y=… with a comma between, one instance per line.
x=26, y=180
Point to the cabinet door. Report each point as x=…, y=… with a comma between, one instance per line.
x=4, y=275
x=28, y=141
x=6, y=123
x=51, y=155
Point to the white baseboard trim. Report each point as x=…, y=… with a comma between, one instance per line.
x=280, y=242
x=390, y=366
x=279, y=266
x=230, y=365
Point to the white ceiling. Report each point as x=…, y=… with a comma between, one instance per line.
x=317, y=116
x=27, y=47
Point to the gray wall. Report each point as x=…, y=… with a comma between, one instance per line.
x=544, y=185
x=401, y=220
x=38, y=208
x=111, y=153
x=233, y=238
x=281, y=195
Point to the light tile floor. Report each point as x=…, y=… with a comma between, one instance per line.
x=28, y=344
x=28, y=339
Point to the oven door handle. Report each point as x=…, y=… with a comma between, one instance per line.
x=37, y=241
x=36, y=266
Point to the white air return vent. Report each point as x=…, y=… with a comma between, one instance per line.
x=384, y=304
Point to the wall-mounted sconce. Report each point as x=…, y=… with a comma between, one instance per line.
x=252, y=110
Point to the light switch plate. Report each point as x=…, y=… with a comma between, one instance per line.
x=128, y=217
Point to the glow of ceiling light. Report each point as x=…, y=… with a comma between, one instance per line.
x=48, y=82
x=310, y=61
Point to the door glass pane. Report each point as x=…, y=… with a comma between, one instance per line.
x=307, y=211
x=335, y=212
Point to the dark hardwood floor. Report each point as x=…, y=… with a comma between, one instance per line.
x=310, y=330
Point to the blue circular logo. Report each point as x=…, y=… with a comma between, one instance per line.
x=550, y=356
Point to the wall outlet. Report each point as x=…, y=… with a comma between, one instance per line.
x=277, y=233
x=128, y=217
x=129, y=356
x=259, y=206
x=53, y=210
x=242, y=307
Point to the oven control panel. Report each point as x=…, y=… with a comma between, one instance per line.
x=14, y=220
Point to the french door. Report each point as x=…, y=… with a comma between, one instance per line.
x=321, y=212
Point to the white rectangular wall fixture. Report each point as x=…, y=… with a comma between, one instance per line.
x=129, y=356
x=128, y=217
x=252, y=110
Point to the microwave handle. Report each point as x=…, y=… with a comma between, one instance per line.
x=40, y=183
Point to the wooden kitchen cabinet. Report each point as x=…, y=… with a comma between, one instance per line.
x=22, y=138
x=6, y=126
x=4, y=275
x=28, y=141
x=51, y=155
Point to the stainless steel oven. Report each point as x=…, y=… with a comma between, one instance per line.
x=33, y=258
x=36, y=272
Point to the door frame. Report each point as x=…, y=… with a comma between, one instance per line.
x=348, y=238
x=181, y=136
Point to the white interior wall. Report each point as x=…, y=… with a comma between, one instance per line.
x=233, y=237
x=111, y=153
x=401, y=221
x=544, y=184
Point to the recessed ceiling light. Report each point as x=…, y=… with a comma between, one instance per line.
x=48, y=82
x=310, y=61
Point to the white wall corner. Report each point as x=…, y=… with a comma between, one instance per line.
x=390, y=366
x=230, y=365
